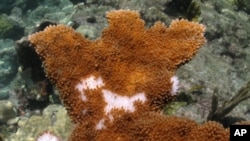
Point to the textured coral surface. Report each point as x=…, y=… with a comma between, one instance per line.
x=110, y=85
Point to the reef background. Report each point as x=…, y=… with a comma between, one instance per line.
x=29, y=104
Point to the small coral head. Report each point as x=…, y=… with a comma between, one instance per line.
x=130, y=69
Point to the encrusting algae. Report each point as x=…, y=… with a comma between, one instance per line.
x=115, y=87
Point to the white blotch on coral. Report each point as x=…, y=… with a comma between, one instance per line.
x=111, y=118
x=84, y=111
x=47, y=137
x=100, y=125
x=90, y=83
x=115, y=101
x=175, y=85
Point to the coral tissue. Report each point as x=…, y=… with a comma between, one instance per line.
x=114, y=87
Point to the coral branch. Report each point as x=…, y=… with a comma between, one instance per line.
x=110, y=85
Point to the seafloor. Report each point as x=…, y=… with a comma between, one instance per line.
x=29, y=104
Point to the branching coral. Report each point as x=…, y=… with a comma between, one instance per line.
x=111, y=84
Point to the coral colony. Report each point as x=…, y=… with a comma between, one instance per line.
x=115, y=87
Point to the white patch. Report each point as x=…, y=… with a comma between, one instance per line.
x=100, y=125
x=47, y=137
x=84, y=111
x=115, y=101
x=175, y=85
x=89, y=83
x=111, y=118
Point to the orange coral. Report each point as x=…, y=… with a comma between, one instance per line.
x=155, y=127
x=111, y=82
x=212, y=131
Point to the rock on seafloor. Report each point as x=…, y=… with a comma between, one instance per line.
x=53, y=119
